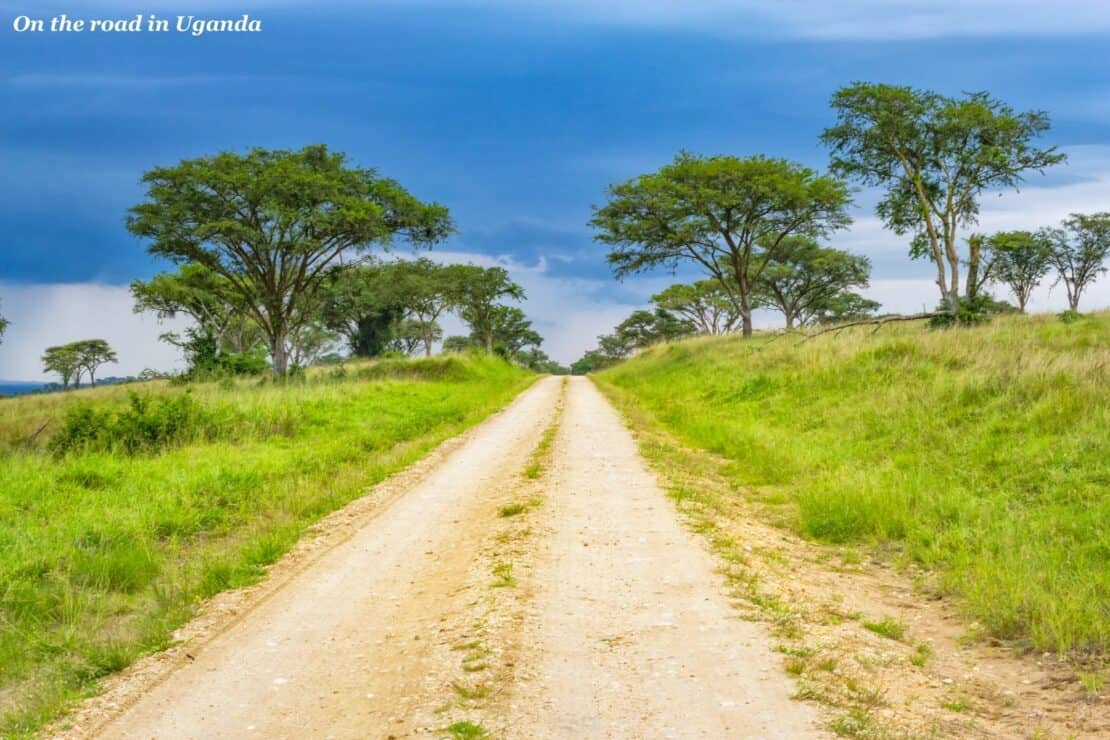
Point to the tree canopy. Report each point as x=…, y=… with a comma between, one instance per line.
x=1079, y=250
x=69, y=361
x=480, y=290
x=271, y=222
x=705, y=303
x=728, y=215
x=1019, y=260
x=803, y=280
x=934, y=156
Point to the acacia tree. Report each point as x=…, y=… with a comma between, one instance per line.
x=802, y=278
x=197, y=292
x=429, y=291
x=512, y=331
x=362, y=302
x=65, y=361
x=934, y=156
x=273, y=222
x=846, y=306
x=480, y=289
x=705, y=304
x=1019, y=260
x=1079, y=250
x=727, y=214
x=91, y=354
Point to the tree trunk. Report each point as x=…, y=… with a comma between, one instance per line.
x=746, y=314
x=974, y=246
x=427, y=346
x=489, y=343
x=280, y=356
x=789, y=320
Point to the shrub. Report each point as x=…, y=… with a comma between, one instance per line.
x=148, y=424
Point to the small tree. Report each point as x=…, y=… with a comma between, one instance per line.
x=209, y=299
x=428, y=291
x=65, y=361
x=705, y=303
x=512, y=331
x=727, y=214
x=410, y=334
x=1079, y=250
x=363, y=302
x=803, y=278
x=934, y=156
x=273, y=222
x=480, y=289
x=91, y=354
x=846, y=306
x=1020, y=260
x=457, y=344
x=4, y=323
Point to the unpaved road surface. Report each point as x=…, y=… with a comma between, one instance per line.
x=590, y=614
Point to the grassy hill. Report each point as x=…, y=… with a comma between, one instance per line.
x=122, y=511
x=981, y=453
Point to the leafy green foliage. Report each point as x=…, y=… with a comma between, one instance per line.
x=934, y=156
x=726, y=214
x=149, y=424
x=4, y=323
x=480, y=290
x=1019, y=260
x=1079, y=250
x=271, y=223
x=69, y=361
x=805, y=281
x=705, y=304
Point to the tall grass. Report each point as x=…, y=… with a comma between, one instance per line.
x=123, y=513
x=984, y=453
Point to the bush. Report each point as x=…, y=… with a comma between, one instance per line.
x=972, y=311
x=148, y=424
x=1070, y=316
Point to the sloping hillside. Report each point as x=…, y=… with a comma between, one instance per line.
x=982, y=454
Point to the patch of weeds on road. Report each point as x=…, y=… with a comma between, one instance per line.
x=957, y=702
x=476, y=692
x=503, y=575
x=537, y=461
x=887, y=627
x=1093, y=681
x=466, y=730
x=921, y=654
x=518, y=507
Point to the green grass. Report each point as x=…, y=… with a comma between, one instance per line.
x=467, y=731
x=887, y=627
x=984, y=453
x=108, y=547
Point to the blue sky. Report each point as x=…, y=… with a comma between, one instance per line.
x=514, y=114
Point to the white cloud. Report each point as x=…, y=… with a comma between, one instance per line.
x=47, y=315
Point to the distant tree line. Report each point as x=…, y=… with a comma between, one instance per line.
x=754, y=226
x=276, y=269
x=276, y=265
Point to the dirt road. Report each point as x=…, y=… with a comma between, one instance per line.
x=530, y=588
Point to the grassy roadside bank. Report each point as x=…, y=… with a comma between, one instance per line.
x=983, y=454
x=111, y=538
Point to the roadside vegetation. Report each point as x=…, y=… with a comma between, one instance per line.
x=982, y=454
x=124, y=509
